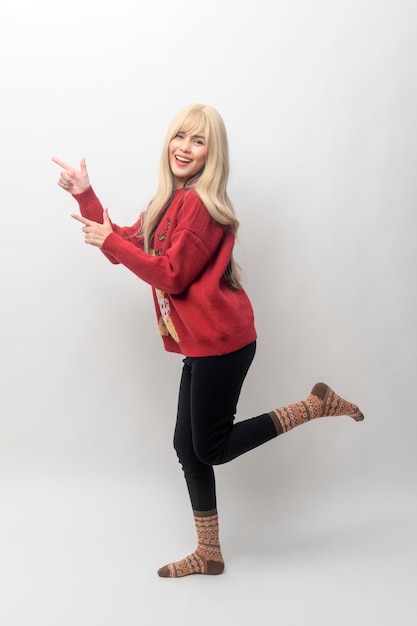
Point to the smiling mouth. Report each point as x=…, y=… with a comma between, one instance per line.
x=182, y=160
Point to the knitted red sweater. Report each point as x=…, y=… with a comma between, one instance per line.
x=198, y=314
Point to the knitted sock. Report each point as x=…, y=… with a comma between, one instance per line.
x=322, y=402
x=207, y=559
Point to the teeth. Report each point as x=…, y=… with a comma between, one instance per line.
x=182, y=159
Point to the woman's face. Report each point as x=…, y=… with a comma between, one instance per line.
x=187, y=156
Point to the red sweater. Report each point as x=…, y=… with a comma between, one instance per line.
x=198, y=313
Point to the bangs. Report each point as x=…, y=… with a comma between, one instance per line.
x=191, y=123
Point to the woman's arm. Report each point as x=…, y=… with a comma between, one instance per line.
x=179, y=266
x=190, y=250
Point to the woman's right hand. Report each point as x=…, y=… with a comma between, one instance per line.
x=72, y=180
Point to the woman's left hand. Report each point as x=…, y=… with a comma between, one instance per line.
x=95, y=233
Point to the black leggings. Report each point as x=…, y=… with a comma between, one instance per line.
x=205, y=433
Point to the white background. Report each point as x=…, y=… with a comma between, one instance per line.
x=319, y=99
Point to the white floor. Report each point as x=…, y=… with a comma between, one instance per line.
x=83, y=550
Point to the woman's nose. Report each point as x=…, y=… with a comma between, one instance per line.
x=185, y=145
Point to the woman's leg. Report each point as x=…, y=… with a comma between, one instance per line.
x=215, y=389
x=209, y=392
x=207, y=558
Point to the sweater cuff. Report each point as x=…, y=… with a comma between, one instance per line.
x=112, y=243
x=84, y=196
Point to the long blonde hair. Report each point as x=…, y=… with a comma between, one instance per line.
x=210, y=183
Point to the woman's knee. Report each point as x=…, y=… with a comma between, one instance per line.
x=207, y=454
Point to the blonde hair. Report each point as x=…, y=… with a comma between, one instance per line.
x=210, y=183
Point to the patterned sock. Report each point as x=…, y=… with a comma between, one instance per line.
x=207, y=559
x=322, y=402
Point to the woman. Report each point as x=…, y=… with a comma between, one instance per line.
x=182, y=245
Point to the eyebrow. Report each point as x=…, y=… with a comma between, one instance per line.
x=193, y=136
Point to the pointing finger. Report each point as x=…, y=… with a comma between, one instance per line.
x=82, y=219
x=62, y=163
